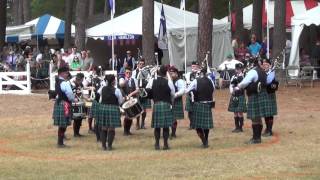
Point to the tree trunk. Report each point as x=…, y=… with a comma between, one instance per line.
x=81, y=19
x=205, y=29
x=106, y=12
x=92, y=7
x=239, y=19
x=148, y=31
x=68, y=16
x=257, y=19
x=26, y=10
x=3, y=23
x=15, y=11
x=279, y=31
x=20, y=13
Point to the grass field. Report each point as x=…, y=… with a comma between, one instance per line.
x=28, y=145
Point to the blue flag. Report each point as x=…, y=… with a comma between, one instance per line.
x=112, y=6
x=162, y=36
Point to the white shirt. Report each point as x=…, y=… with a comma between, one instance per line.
x=229, y=64
x=181, y=85
x=251, y=76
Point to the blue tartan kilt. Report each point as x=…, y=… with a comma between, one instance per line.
x=94, y=109
x=237, y=105
x=188, y=104
x=271, y=108
x=145, y=103
x=162, y=115
x=202, y=116
x=178, y=112
x=108, y=116
x=58, y=116
x=257, y=105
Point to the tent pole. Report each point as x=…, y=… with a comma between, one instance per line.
x=268, y=33
x=185, y=37
x=112, y=44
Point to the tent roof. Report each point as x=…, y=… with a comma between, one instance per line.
x=131, y=22
x=13, y=32
x=292, y=8
x=48, y=26
x=310, y=17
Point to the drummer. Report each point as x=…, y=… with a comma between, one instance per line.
x=130, y=89
x=77, y=87
x=142, y=83
x=109, y=113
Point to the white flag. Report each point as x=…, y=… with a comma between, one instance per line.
x=182, y=4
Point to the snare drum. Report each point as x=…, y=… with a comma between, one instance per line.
x=78, y=110
x=132, y=108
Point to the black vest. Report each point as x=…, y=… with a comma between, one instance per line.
x=109, y=96
x=204, y=90
x=161, y=90
x=61, y=95
x=127, y=89
x=252, y=88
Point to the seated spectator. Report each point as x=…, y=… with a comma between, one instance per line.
x=254, y=47
x=241, y=52
x=88, y=62
x=304, y=58
x=76, y=64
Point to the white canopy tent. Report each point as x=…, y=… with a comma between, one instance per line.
x=130, y=24
x=298, y=23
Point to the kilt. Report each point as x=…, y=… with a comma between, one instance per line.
x=162, y=115
x=178, y=112
x=257, y=105
x=145, y=103
x=94, y=109
x=238, y=106
x=202, y=116
x=188, y=104
x=108, y=115
x=58, y=116
x=271, y=109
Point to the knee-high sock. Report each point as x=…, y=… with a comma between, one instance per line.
x=144, y=115
x=236, y=122
x=76, y=126
x=103, y=137
x=190, y=118
x=90, y=123
x=61, y=131
x=206, y=134
x=257, y=129
x=165, y=137
x=97, y=130
x=240, y=122
x=138, y=122
x=127, y=124
x=174, y=128
x=200, y=133
x=269, y=123
x=157, y=132
x=111, y=134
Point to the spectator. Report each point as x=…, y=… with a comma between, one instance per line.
x=88, y=62
x=315, y=55
x=76, y=64
x=241, y=52
x=304, y=58
x=72, y=55
x=117, y=63
x=12, y=60
x=254, y=47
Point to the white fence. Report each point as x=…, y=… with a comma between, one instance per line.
x=20, y=80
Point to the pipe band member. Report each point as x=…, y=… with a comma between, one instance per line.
x=272, y=87
x=202, y=120
x=109, y=112
x=62, y=106
x=255, y=85
x=237, y=103
x=180, y=87
x=161, y=90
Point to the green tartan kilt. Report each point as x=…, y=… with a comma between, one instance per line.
x=58, y=116
x=238, y=106
x=94, y=108
x=162, y=115
x=108, y=115
x=188, y=104
x=202, y=116
x=271, y=109
x=178, y=112
x=145, y=103
x=257, y=105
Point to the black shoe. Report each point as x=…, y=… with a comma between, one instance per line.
x=173, y=136
x=236, y=130
x=109, y=148
x=157, y=146
x=62, y=146
x=166, y=147
x=78, y=135
x=267, y=134
x=254, y=141
x=127, y=134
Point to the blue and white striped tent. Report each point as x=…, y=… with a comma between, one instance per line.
x=46, y=27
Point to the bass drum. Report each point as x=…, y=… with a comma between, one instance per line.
x=78, y=110
x=132, y=108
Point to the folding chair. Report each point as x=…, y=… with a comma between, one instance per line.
x=292, y=76
x=306, y=74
